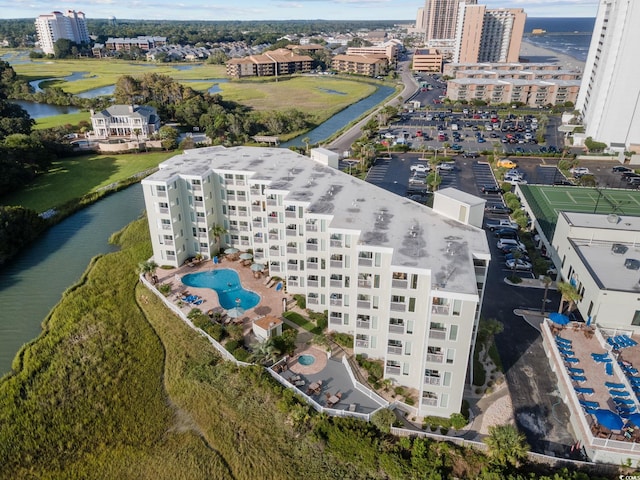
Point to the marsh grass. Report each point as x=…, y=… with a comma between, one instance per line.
x=75, y=177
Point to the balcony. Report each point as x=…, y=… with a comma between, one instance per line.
x=364, y=283
x=366, y=324
x=432, y=380
x=312, y=301
x=257, y=240
x=274, y=252
x=364, y=304
x=336, y=263
x=396, y=328
x=389, y=370
x=243, y=213
x=245, y=243
x=430, y=402
x=435, y=357
x=394, y=350
x=313, y=247
x=440, y=309
x=161, y=193
x=274, y=236
x=312, y=227
x=291, y=232
x=272, y=201
x=255, y=191
x=163, y=210
x=198, y=203
x=395, y=283
x=313, y=283
x=202, y=220
x=166, y=227
x=274, y=268
x=312, y=265
x=365, y=262
x=362, y=343
x=335, y=283
x=293, y=283
x=336, y=243
x=438, y=334
x=335, y=319
x=397, y=307
x=335, y=302
x=292, y=267
x=273, y=219
x=290, y=213
x=257, y=223
x=292, y=249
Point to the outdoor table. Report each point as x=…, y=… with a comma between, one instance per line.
x=332, y=400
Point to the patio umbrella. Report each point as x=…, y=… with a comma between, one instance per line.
x=257, y=267
x=246, y=256
x=558, y=318
x=235, y=312
x=230, y=251
x=635, y=419
x=608, y=419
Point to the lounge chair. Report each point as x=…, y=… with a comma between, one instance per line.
x=267, y=280
x=563, y=340
x=619, y=386
x=572, y=360
x=576, y=370
x=608, y=368
x=272, y=283
x=578, y=378
x=618, y=393
x=584, y=390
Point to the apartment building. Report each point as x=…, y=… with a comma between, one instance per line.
x=539, y=70
x=427, y=60
x=440, y=18
x=405, y=280
x=488, y=35
x=609, y=98
x=54, y=26
x=389, y=50
x=268, y=64
x=142, y=42
x=367, y=65
x=132, y=121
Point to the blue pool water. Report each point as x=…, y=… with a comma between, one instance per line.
x=227, y=285
x=306, y=360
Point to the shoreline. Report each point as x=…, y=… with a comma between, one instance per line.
x=535, y=54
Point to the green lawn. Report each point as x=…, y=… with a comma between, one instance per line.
x=77, y=176
x=57, y=120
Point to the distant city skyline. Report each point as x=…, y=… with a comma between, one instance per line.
x=277, y=9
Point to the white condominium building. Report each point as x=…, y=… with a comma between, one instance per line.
x=56, y=25
x=609, y=99
x=405, y=280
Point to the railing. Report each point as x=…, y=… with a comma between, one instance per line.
x=197, y=188
x=272, y=201
x=335, y=320
x=435, y=357
x=429, y=402
x=438, y=334
x=313, y=283
x=362, y=343
x=364, y=304
x=230, y=196
x=396, y=283
x=257, y=240
x=202, y=220
x=336, y=243
x=335, y=283
x=274, y=252
x=290, y=213
x=166, y=227
x=397, y=307
x=292, y=266
x=245, y=243
x=292, y=249
x=168, y=242
x=440, y=309
x=312, y=265
x=273, y=219
x=312, y=227
x=291, y=232
x=274, y=236
x=161, y=193
x=336, y=302
x=274, y=268
x=392, y=370
x=394, y=350
x=171, y=257
x=362, y=388
x=255, y=191
x=198, y=203
x=396, y=328
x=243, y=213
x=243, y=228
x=312, y=247
x=365, y=262
x=163, y=210
x=432, y=380
x=335, y=263
x=293, y=283
x=364, y=283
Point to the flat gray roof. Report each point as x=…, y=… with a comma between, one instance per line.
x=420, y=237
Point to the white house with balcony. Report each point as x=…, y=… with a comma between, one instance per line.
x=405, y=280
x=137, y=122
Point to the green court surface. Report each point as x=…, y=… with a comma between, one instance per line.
x=546, y=201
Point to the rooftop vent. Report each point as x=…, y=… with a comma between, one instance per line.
x=632, y=264
x=613, y=218
x=619, y=249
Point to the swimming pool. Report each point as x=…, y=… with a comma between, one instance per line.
x=306, y=360
x=227, y=285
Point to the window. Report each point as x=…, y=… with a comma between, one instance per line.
x=414, y=281
x=446, y=382
x=636, y=318
x=412, y=304
x=453, y=333
x=457, y=307
x=450, y=355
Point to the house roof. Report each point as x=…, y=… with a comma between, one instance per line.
x=267, y=322
x=142, y=111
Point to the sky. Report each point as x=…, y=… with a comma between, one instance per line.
x=275, y=9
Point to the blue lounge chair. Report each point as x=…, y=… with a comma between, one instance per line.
x=576, y=370
x=608, y=368
x=584, y=390
x=566, y=341
x=588, y=404
x=619, y=393
x=578, y=378
x=618, y=386
x=624, y=401
x=572, y=360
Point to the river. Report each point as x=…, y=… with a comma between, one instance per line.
x=33, y=283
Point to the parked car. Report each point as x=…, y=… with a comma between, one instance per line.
x=579, y=171
x=506, y=163
x=491, y=189
x=511, y=256
x=446, y=166
x=518, y=264
x=621, y=169
x=420, y=168
x=471, y=155
x=507, y=233
x=508, y=244
x=500, y=223
x=497, y=208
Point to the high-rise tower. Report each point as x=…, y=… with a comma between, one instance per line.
x=56, y=25
x=609, y=98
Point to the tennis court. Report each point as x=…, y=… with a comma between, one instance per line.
x=546, y=201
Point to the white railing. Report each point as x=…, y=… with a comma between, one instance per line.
x=365, y=262
x=440, y=309
x=362, y=388
x=399, y=283
x=437, y=334
x=396, y=328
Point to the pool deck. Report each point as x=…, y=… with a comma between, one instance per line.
x=270, y=300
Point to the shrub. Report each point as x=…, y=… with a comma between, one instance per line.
x=164, y=289
x=383, y=419
x=301, y=301
x=399, y=390
x=216, y=331
x=410, y=401
x=373, y=368
x=457, y=421
x=343, y=339
x=514, y=279
x=241, y=354
x=232, y=345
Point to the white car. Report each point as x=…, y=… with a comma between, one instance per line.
x=446, y=166
x=579, y=171
x=518, y=264
x=420, y=168
x=505, y=243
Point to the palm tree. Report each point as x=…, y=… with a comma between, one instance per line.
x=306, y=141
x=569, y=294
x=507, y=447
x=264, y=352
x=148, y=268
x=218, y=231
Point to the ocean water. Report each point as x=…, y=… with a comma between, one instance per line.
x=571, y=36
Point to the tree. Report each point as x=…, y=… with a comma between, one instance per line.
x=306, y=141
x=569, y=294
x=218, y=231
x=20, y=226
x=383, y=419
x=547, y=282
x=264, y=352
x=147, y=268
x=507, y=447
x=62, y=48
